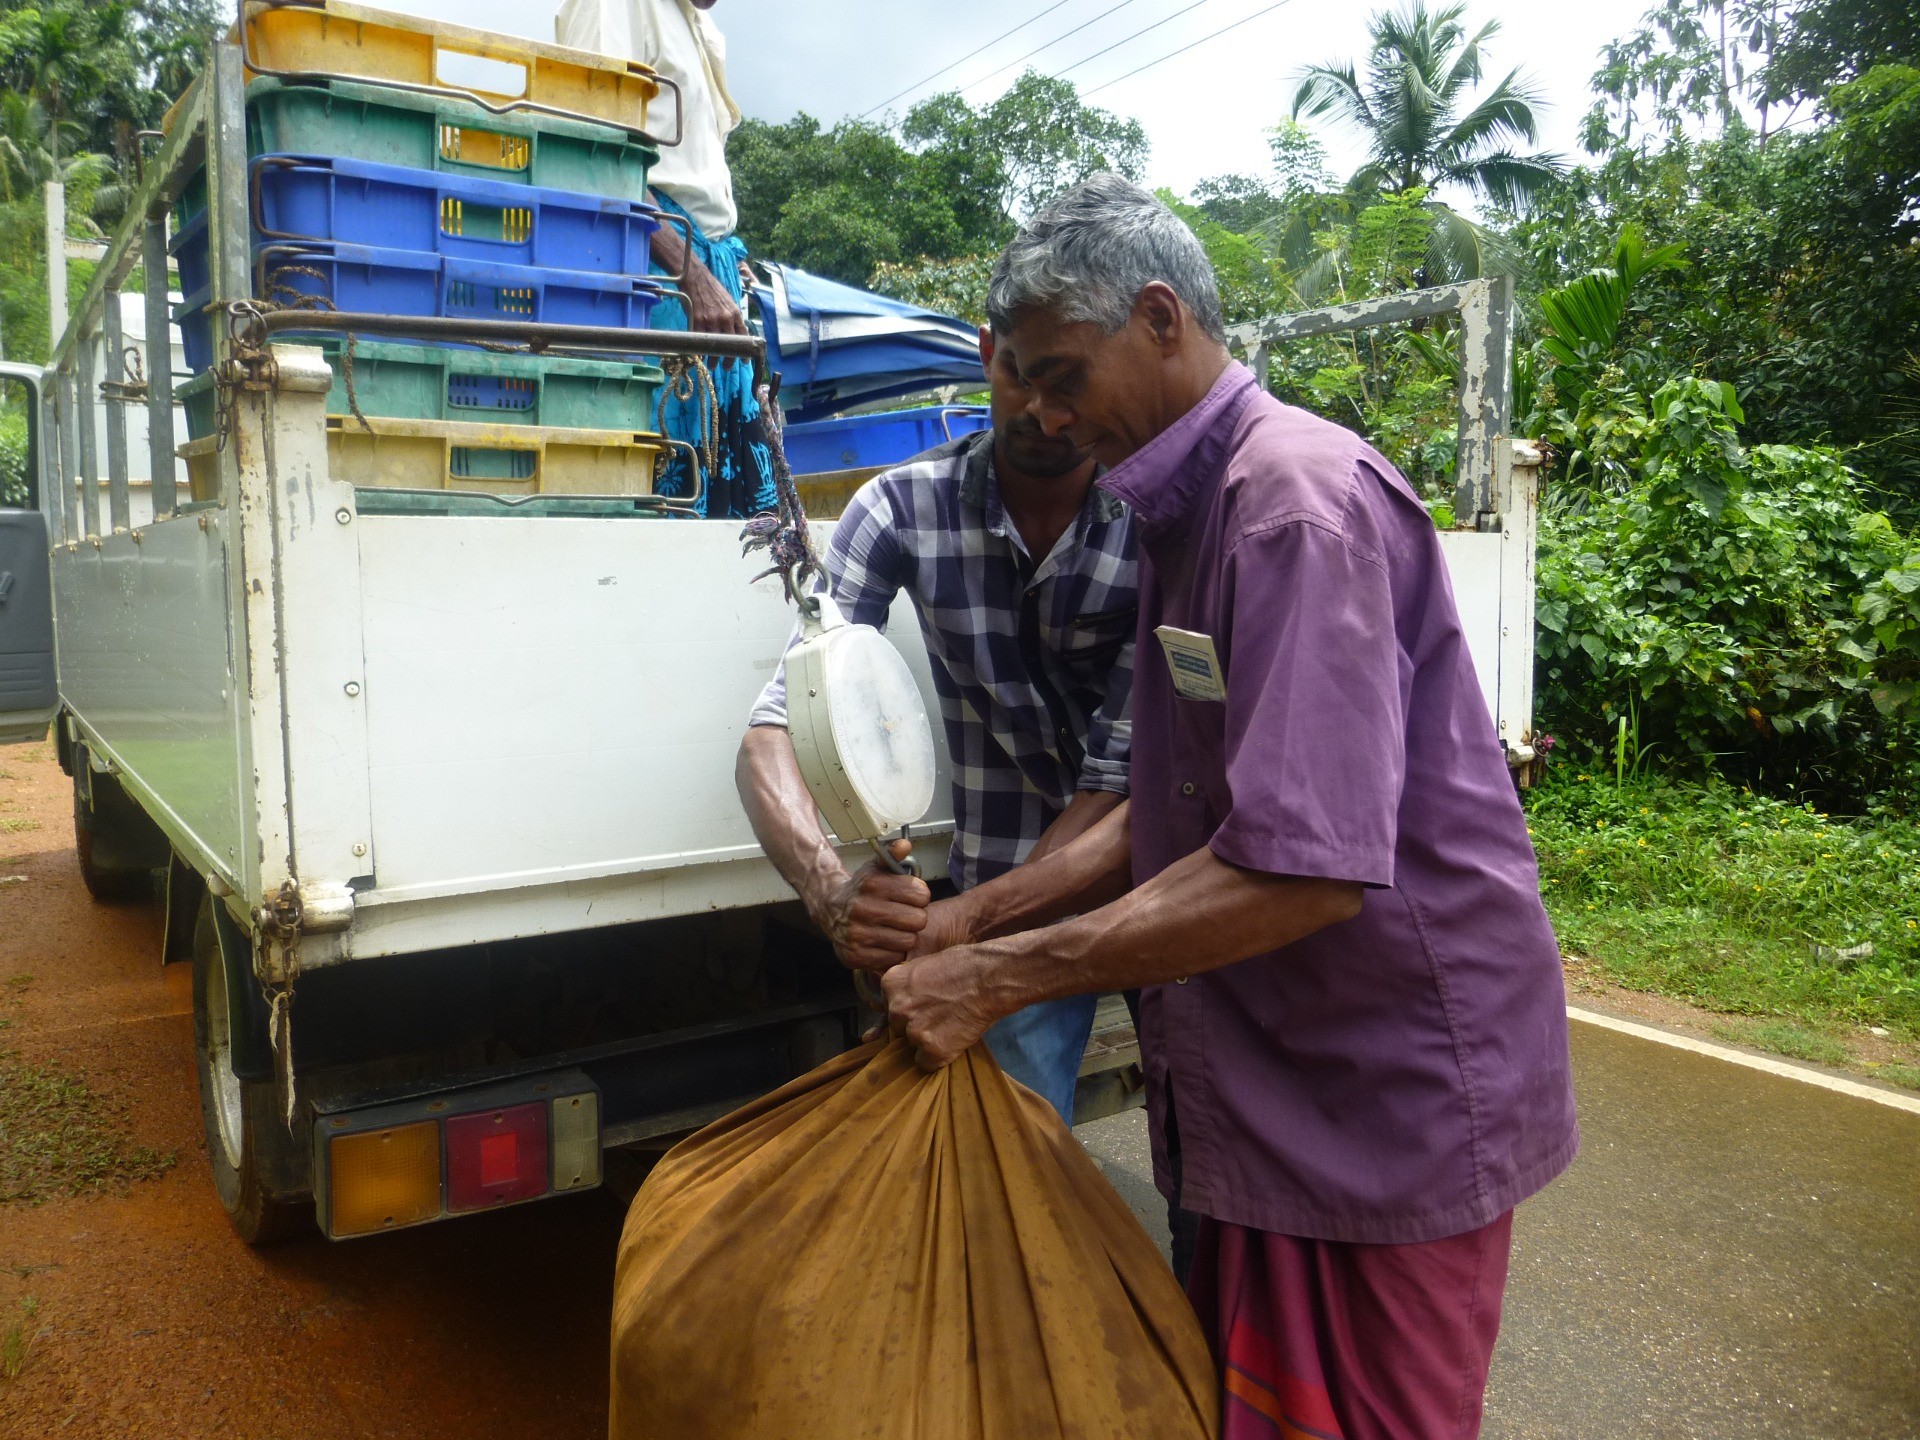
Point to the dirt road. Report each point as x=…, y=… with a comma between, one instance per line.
x=152, y=1320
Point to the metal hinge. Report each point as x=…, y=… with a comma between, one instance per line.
x=289, y=912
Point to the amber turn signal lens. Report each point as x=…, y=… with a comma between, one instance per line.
x=383, y=1179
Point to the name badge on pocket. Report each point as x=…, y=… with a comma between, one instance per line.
x=1194, y=663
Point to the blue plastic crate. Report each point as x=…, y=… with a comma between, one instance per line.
x=372, y=279
x=853, y=442
x=305, y=198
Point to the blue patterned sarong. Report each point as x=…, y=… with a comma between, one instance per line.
x=742, y=481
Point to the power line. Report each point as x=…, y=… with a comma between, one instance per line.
x=964, y=58
x=1135, y=36
x=1048, y=46
x=1184, y=48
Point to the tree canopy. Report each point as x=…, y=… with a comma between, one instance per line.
x=79, y=80
x=949, y=181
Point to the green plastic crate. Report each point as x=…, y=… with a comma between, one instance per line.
x=197, y=399
x=424, y=382
x=396, y=127
x=430, y=132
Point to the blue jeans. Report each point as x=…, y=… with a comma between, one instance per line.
x=1042, y=1046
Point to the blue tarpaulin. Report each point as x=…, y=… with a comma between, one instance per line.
x=837, y=347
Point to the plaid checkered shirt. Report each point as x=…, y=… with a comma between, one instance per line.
x=1033, y=663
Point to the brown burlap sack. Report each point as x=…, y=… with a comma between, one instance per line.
x=878, y=1252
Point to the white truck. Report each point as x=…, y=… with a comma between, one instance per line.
x=441, y=789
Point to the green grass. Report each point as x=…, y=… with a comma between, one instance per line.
x=1907, y=1075
x=17, y=1339
x=1783, y=1037
x=57, y=1137
x=1735, y=902
x=17, y=825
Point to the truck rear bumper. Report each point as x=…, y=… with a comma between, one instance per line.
x=640, y=1092
x=633, y=1091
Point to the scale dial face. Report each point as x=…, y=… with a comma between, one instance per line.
x=879, y=727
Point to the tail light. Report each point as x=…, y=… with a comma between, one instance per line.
x=385, y=1178
x=385, y=1167
x=497, y=1157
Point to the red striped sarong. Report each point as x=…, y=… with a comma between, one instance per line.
x=1323, y=1340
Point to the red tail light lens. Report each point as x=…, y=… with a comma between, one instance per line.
x=496, y=1157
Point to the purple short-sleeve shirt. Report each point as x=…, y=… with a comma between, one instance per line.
x=1401, y=1076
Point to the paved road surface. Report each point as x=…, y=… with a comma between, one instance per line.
x=1734, y=1256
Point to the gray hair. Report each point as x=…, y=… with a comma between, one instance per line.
x=1089, y=254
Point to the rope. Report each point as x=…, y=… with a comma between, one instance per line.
x=783, y=534
x=691, y=382
x=277, y=288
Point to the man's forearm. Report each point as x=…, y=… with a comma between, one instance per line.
x=710, y=306
x=1086, y=809
x=1088, y=871
x=669, y=247
x=873, y=917
x=783, y=816
x=1197, y=915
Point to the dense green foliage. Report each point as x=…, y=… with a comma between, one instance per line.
x=13, y=456
x=1725, y=562
x=1722, y=896
x=1717, y=602
x=1802, y=282
x=951, y=287
x=79, y=80
x=946, y=184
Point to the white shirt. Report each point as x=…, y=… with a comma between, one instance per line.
x=681, y=43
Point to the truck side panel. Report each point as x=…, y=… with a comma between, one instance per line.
x=550, y=700
x=147, y=665
x=1473, y=567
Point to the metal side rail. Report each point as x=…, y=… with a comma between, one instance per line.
x=537, y=337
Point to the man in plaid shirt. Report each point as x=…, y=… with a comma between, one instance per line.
x=1024, y=580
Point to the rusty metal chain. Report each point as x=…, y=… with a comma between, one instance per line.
x=133, y=389
x=250, y=365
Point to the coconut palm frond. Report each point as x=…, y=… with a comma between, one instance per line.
x=1462, y=249
x=1416, y=109
x=1327, y=89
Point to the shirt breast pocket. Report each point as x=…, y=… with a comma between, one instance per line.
x=1097, y=637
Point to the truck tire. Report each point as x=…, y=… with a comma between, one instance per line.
x=238, y=1115
x=119, y=848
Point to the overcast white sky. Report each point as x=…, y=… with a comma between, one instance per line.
x=1204, y=111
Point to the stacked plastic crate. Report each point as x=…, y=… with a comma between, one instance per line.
x=371, y=189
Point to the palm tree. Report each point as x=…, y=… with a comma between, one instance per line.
x=95, y=191
x=1422, y=68
x=62, y=58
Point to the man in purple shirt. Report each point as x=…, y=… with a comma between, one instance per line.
x=1353, y=1017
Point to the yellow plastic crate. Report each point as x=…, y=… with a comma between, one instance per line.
x=355, y=42
x=493, y=459
x=203, y=479
x=479, y=459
